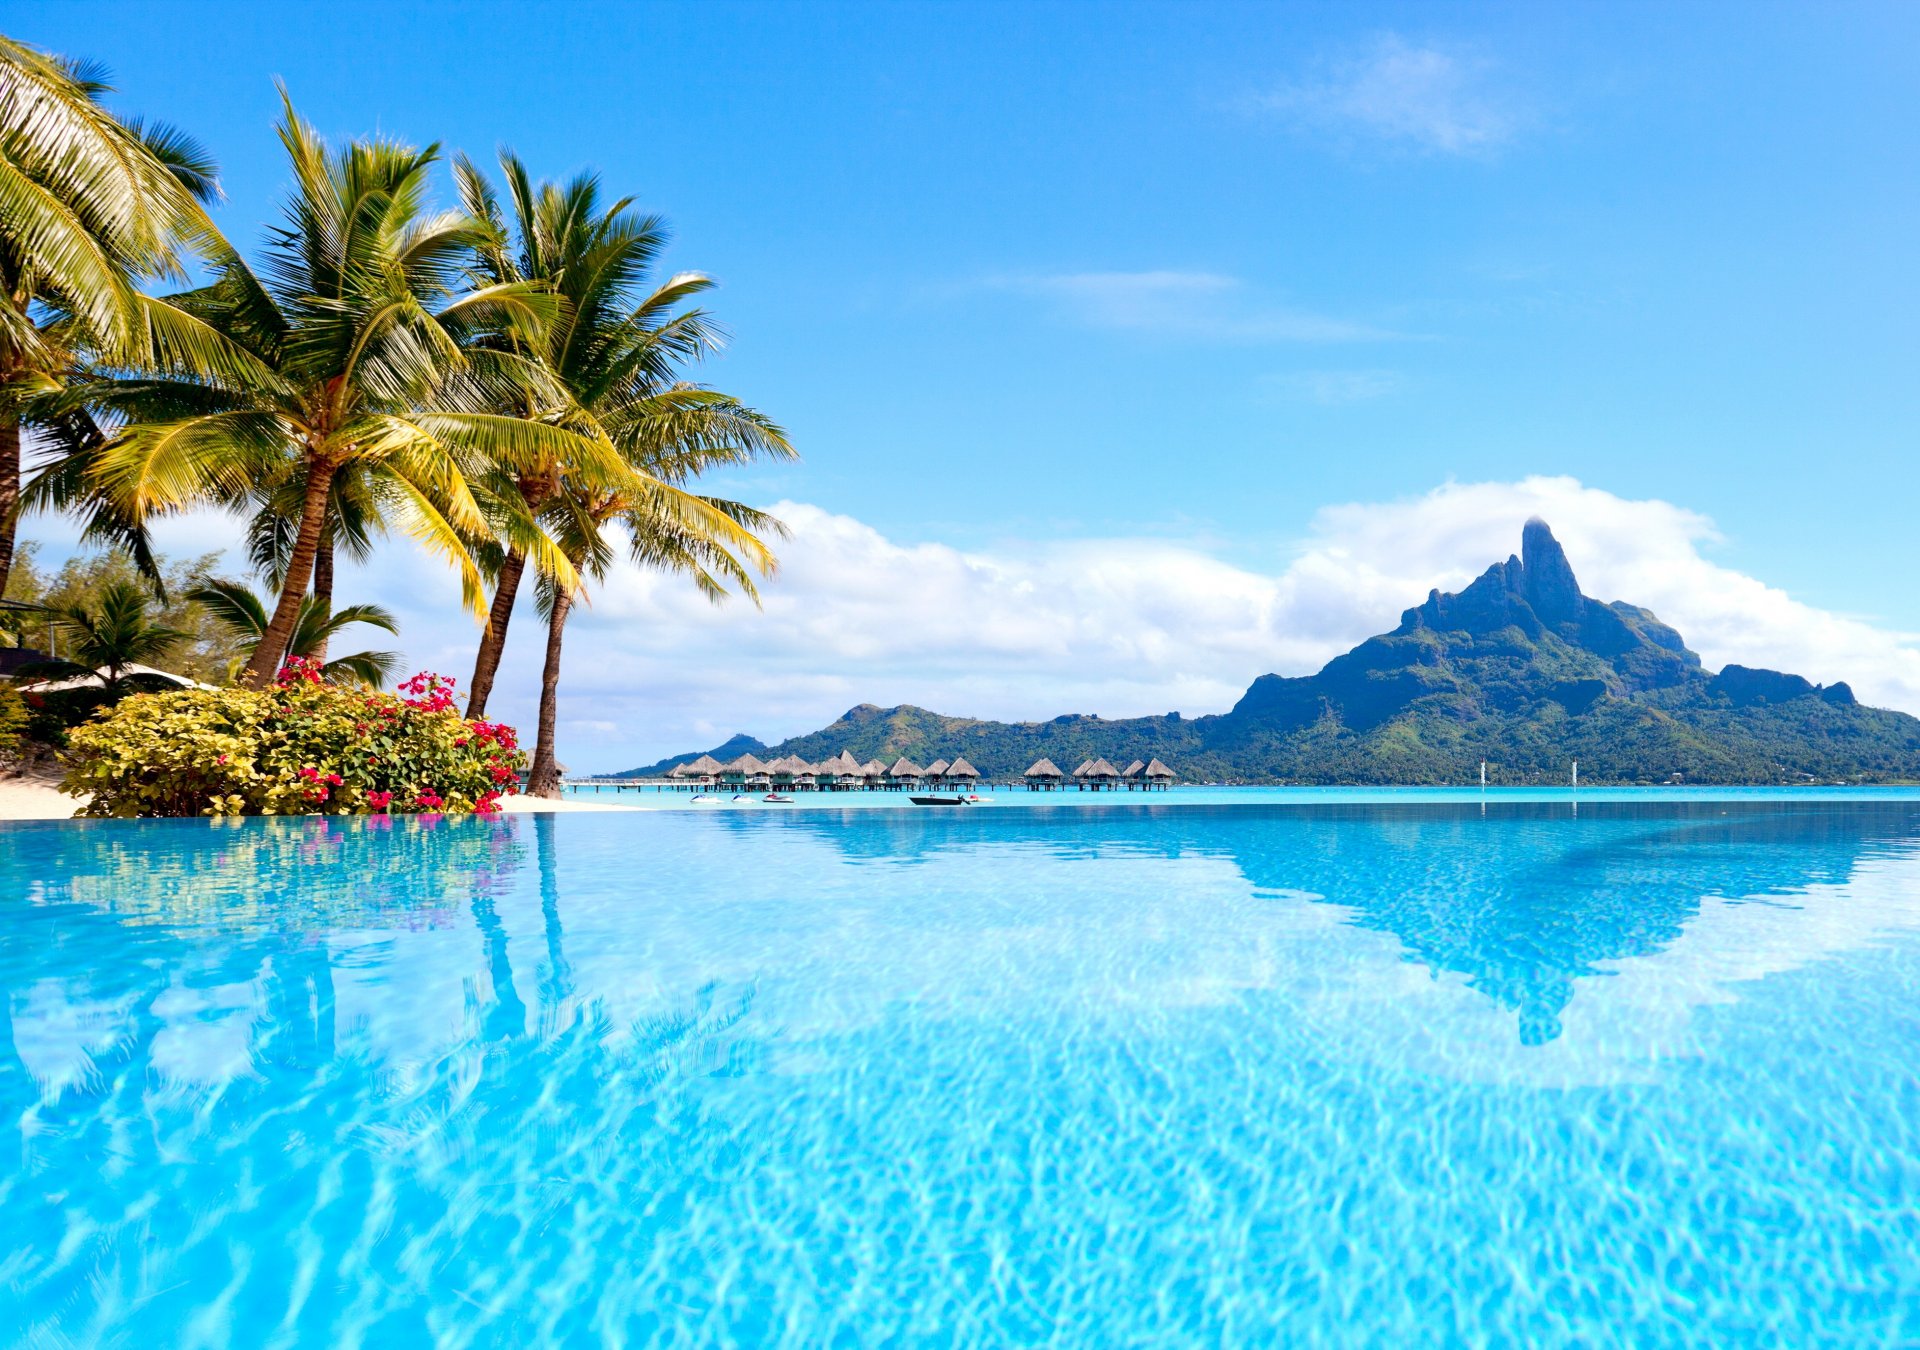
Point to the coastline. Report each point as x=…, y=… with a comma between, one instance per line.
x=37, y=798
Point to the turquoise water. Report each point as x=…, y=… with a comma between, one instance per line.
x=1194, y=794
x=1396, y=1073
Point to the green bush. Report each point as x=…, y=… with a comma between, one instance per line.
x=14, y=715
x=50, y=716
x=302, y=747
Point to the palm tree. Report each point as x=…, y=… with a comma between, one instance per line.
x=90, y=207
x=669, y=436
x=616, y=341
x=360, y=355
x=109, y=640
x=244, y=614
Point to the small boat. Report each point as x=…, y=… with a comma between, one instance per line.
x=939, y=801
x=778, y=798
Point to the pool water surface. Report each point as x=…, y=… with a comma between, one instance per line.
x=1341, y=1072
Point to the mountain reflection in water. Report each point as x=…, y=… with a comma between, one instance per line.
x=1146, y=1074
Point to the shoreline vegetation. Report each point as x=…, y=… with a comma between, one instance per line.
x=504, y=381
x=1519, y=675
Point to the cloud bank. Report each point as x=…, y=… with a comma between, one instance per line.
x=1121, y=627
x=1030, y=629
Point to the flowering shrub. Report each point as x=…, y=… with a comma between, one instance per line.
x=302, y=747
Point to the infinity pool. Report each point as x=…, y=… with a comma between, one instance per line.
x=1401, y=1073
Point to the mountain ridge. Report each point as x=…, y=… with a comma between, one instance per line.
x=1520, y=669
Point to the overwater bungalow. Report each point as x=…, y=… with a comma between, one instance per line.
x=962, y=774
x=905, y=773
x=874, y=774
x=1159, y=775
x=748, y=771
x=1134, y=775
x=840, y=772
x=936, y=773
x=698, y=773
x=1097, y=775
x=1043, y=776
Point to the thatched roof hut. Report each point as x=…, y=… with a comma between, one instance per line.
x=1099, y=771
x=748, y=767
x=1044, y=769
x=937, y=769
x=905, y=770
x=1081, y=772
x=1133, y=770
x=962, y=770
x=705, y=767
x=1156, y=772
x=873, y=771
x=840, y=767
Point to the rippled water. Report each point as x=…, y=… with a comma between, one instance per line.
x=1404, y=1073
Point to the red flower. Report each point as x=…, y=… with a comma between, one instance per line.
x=379, y=801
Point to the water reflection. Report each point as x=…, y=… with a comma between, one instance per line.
x=1103, y=1079
x=1521, y=905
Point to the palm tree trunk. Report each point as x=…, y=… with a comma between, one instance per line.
x=9, y=494
x=265, y=662
x=494, y=640
x=543, y=779
x=323, y=586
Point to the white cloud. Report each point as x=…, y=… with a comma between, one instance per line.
x=1033, y=629
x=1429, y=97
x=1121, y=627
x=1176, y=304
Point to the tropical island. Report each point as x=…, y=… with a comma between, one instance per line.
x=1520, y=672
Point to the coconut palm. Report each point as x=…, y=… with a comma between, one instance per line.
x=110, y=639
x=91, y=206
x=617, y=342
x=672, y=437
x=244, y=614
x=359, y=355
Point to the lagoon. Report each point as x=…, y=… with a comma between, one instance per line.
x=1183, y=1071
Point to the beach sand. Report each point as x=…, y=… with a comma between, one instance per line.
x=518, y=802
x=35, y=797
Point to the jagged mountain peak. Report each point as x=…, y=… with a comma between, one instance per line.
x=1547, y=576
x=1518, y=669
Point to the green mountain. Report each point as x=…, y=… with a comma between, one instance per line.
x=1519, y=670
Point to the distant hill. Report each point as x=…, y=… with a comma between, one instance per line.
x=1520, y=670
x=732, y=748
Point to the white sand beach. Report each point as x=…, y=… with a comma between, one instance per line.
x=35, y=797
x=519, y=802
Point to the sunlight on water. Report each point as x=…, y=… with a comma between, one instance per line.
x=1388, y=1073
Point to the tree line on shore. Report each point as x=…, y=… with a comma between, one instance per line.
x=504, y=381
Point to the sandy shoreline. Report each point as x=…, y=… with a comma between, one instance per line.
x=37, y=798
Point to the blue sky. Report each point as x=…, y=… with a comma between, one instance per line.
x=1020, y=276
